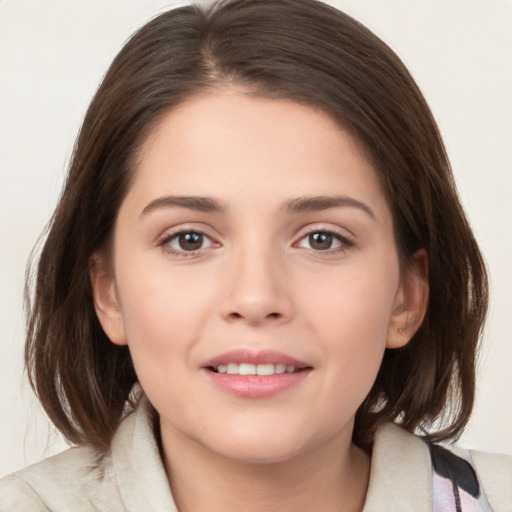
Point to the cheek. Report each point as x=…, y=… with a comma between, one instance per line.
x=163, y=313
x=353, y=306
x=351, y=315
x=162, y=329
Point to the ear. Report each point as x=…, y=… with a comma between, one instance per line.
x=105, y=298
x=411, y=302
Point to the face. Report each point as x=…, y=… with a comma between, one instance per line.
x=255, y=277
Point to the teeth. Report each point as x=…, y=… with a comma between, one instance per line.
x=247, y=369
x=232, y=369
x=254, y=369
x=265, y=369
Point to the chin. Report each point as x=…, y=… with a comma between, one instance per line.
x=268, y=446
x=259, y=454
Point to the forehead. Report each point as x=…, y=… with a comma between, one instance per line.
x=233, y=146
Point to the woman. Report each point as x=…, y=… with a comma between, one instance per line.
x=260, y=249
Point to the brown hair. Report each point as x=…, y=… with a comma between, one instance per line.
x=309, y=52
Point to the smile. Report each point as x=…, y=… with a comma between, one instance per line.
x=253, y=369
x=255, y=374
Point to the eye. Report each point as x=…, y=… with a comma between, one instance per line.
x=186, y=241
x=323, y=241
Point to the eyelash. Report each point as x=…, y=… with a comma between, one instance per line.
x=345, y=243
x=165, y=241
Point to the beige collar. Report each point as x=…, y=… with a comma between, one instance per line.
x=401, y=474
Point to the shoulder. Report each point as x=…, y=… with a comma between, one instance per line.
x=16, y=495
x=129, y=477
x=77, y=479
x=495, y=473
x=408, y=473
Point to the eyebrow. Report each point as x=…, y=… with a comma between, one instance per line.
x=318, y=203
x=299, y=204
x=198, y=203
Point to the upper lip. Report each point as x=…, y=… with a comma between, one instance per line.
x=255, y=357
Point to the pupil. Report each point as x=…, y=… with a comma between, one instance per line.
x=320, y=241
x=190, y=241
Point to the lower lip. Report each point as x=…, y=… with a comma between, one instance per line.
x=255, y=386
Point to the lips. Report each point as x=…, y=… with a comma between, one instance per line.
x=251, y=374
x=262, y=357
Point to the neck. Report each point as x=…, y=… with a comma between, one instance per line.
x=331, y=477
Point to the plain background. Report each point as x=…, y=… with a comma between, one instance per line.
x=52, y=57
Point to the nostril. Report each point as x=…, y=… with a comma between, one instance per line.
x=237, y=316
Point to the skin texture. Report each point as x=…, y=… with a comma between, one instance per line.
x=257, y=283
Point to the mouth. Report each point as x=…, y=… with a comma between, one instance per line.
x=250, y=362
x=250, y=374
x=254, y=369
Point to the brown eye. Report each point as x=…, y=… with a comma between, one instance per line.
x=187, y=242
x=320, y=241
x=190, y=241
x=323, y=241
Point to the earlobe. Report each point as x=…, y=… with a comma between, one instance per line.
x=411, y=302
x=105, y=300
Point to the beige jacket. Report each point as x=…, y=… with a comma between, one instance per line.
x=131, y=476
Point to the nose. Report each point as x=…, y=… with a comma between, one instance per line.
x=257, y=290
